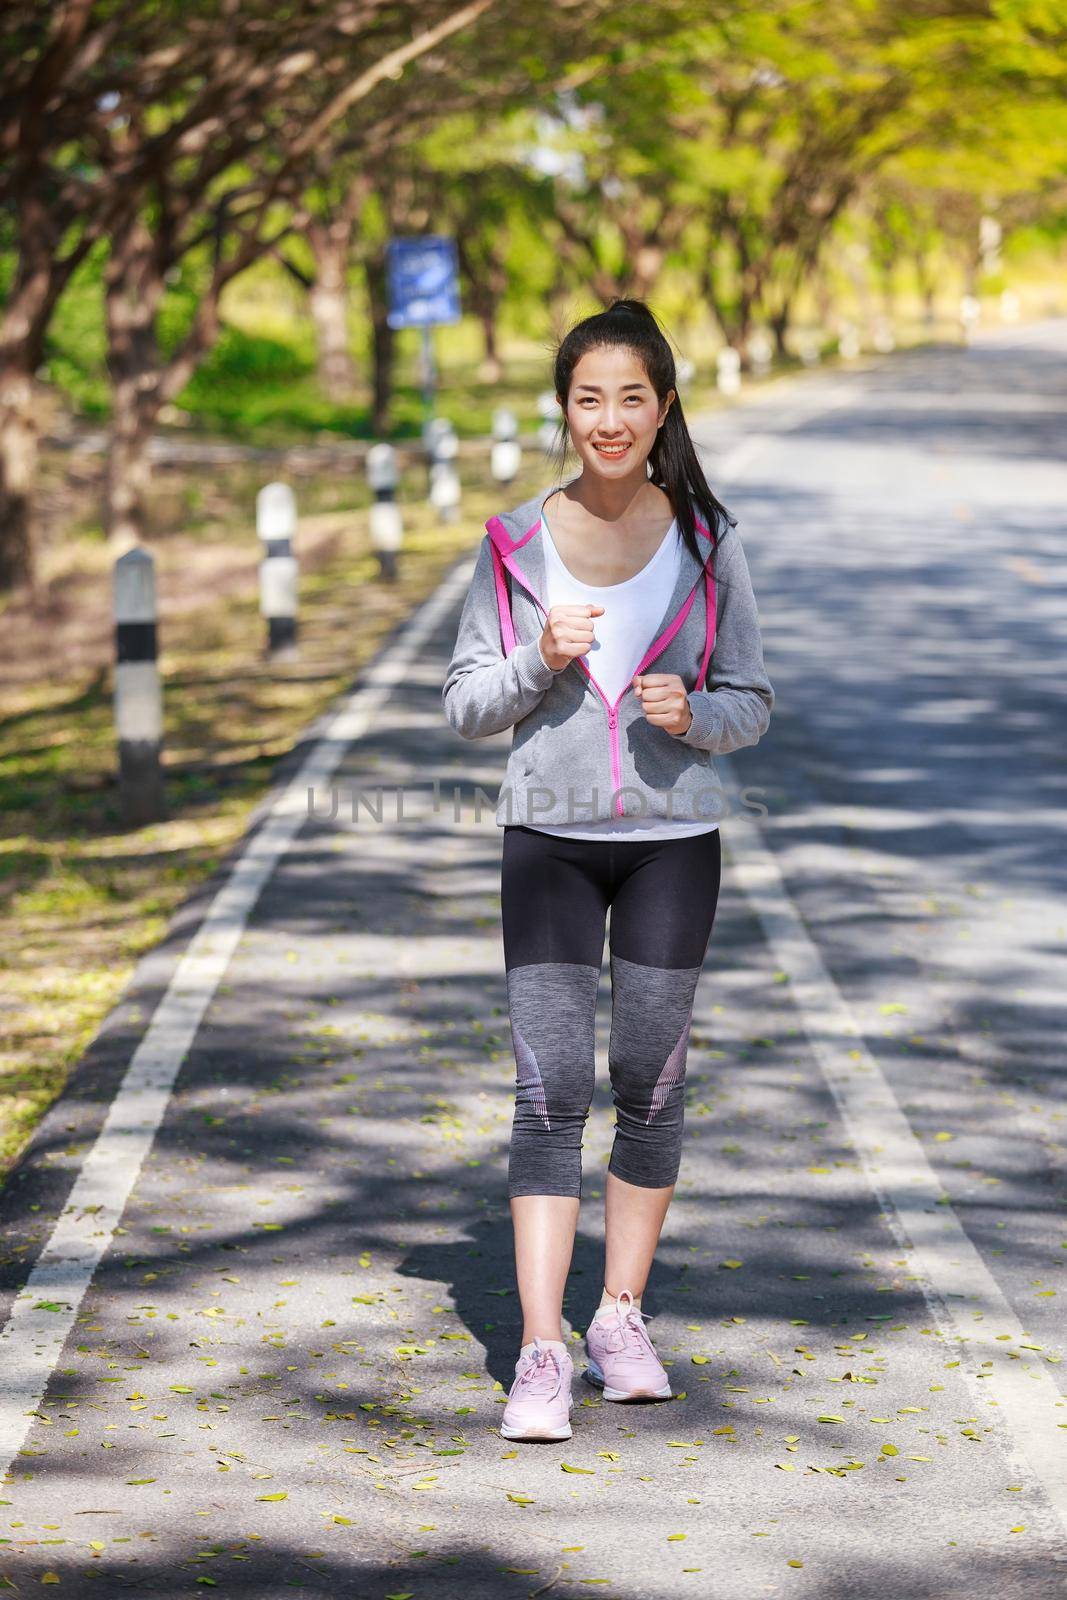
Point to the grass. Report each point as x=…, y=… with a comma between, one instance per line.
x=81, y=896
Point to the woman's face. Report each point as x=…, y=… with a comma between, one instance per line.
x=613, y=413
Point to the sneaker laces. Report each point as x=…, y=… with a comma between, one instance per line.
x=628, y=1329
x=542, y=1373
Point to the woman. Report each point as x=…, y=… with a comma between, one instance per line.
x=630, y=566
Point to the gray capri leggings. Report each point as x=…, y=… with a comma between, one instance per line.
x=555, y=894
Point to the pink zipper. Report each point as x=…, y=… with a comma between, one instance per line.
x=656, y=648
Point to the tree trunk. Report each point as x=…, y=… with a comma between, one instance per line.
x=382, y=343
x=328, y=303
x=127, y=476
x=133, y=292
x=779, y=321
x=483, y=281
x=18, y=470
x=927, y=289
x=888, y=273
x=733, y=302
x=492, y=368
x=40, y=278
x=733, y=316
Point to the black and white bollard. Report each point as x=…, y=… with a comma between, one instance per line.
x=848, y=341
x=970, y=316
x=550, y=414
x=444, y=479
x=809, y=348
x=276, y=526
x=386, y=523
x=728, y=371
x=883, y=338
x=760, y=352
x=138, y=695
x=506, y=455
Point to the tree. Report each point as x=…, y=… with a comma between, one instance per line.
x=130, y=122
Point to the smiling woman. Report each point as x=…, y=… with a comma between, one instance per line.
x=642, y=569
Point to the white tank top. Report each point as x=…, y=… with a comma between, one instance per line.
x=620, y=638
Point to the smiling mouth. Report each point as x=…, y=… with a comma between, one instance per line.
x=611, y=450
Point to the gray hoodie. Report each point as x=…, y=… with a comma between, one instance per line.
x=574, y=756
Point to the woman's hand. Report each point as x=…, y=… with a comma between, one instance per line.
x=568, y=632
x=664, y=700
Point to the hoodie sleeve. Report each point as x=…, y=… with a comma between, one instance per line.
x=735, y=709
x=485, y=692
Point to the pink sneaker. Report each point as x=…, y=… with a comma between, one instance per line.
x=539, y=1401
x=622, y=1360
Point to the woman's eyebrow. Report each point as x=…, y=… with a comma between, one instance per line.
x=596, y=390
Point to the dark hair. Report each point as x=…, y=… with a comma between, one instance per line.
x=673, y=459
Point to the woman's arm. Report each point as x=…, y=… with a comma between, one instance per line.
x=484, y=692
x=735, y=708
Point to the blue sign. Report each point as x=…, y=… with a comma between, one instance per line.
x=423, y=278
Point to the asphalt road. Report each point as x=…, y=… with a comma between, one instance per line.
x=272, y=1272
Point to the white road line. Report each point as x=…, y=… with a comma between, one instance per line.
x=947, y=1265
x=1029, y=1405
x=33, y=1336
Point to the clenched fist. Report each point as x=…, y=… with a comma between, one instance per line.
x=664, y=700
x=568, y=632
